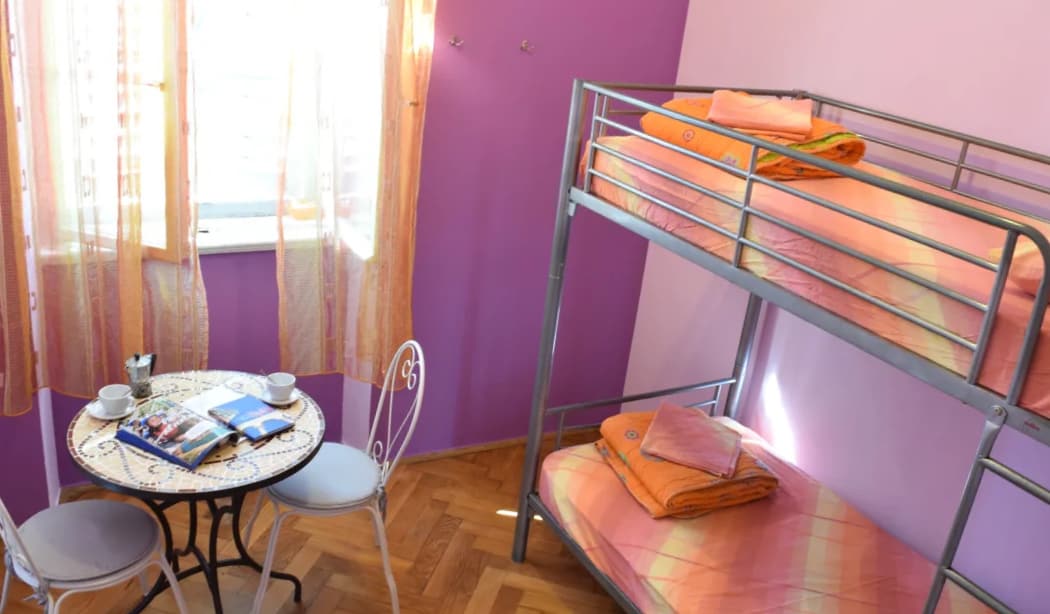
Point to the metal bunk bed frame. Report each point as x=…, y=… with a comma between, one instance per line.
x=999, y=409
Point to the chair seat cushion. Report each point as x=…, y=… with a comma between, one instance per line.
x=339, y=476
x=85, y=540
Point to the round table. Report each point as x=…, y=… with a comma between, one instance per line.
x=229, y=472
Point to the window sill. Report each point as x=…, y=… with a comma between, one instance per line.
x=248, y=234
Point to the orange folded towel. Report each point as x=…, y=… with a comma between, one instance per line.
x=826, y=139
x=665, y=488
x=789, y=119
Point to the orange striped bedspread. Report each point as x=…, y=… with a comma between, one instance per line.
x=965, y=278
x=801, y=550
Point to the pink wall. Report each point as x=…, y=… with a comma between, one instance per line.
x=891, y=445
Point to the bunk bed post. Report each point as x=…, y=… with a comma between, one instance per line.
x=552, y=307
x=744, y=351
x=992, y=426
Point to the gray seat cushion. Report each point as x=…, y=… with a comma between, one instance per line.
x=84, y=540
x=339, y=476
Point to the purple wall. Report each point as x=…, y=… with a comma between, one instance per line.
x=22, y=482
x=495, y=130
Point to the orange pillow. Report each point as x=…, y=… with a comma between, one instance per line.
x=1026, y=269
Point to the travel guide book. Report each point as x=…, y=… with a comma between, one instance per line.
x=242, y=412
x=173, y=432
x=251, y=417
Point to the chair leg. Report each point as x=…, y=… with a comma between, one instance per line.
x=173, y=580
x=271, y=548
x=143, y=582
x=247, y=533
x=377, y=518
x=7, y=585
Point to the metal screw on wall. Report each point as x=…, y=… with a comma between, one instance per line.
x=526, y=46
x=456, y=41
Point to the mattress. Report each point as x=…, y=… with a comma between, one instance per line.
x=802, y=550
x=963, y=277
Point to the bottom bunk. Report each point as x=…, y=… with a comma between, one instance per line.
x=802, y=549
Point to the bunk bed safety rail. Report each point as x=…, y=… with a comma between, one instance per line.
x=965, y=143
x=600, y=123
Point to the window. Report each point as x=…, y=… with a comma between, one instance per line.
x=322, y=64
x=239, y=94
x=240, y=79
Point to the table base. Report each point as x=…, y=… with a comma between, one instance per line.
x=208, y=565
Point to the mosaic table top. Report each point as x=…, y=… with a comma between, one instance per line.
x=93, y=445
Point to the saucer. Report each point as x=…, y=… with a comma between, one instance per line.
x=264, y=396
x=95, y=409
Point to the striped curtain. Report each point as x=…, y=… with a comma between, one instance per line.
x=16, y=352
x=349, y=183
x=113, y=226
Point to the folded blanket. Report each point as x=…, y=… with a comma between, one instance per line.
x=669, y=489
x=791, y=119
x=689, y=437
x=826, y=139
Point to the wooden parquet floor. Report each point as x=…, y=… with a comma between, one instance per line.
x=450, y=552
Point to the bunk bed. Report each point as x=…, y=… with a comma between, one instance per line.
x=912, y=269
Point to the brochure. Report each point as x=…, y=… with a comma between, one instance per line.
x=251, y=417
x=245, y=413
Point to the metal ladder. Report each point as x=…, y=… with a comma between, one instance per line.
x=983, y=462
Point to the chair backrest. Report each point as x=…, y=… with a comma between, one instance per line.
x=15, y=550
x=406, y=374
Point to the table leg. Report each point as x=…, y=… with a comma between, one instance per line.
x=209, y=563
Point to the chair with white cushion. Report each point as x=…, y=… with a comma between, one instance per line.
x=82, y=546
x=342, y=479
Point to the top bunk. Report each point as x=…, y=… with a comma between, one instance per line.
x=934, y=266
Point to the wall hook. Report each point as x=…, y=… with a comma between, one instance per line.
x=526, y=46
x=456, y=41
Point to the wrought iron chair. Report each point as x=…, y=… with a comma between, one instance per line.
x=82, y=546
x=343, y=479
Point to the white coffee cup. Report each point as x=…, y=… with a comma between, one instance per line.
x=280, y=386
x=115, y=399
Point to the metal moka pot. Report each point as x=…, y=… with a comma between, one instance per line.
x=140, y=369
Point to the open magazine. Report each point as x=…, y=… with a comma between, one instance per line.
x=245, y=413
x=173, y=432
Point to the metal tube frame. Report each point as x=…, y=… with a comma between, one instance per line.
x=1001, y=409
x=552, y=309
x=744, y=351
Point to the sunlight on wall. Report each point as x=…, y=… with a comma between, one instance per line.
x=775, y=415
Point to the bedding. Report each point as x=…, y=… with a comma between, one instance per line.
x=968, y=279
x=826, y=139
x=791, y=119
x=669, y=489
x=1027, y=269
x=691, y=438
x=800, y=550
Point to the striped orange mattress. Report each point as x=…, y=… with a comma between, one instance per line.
x=963, y=277
x=802, y=550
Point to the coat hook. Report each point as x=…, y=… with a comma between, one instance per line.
x=526, y=46
x=456, y=41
